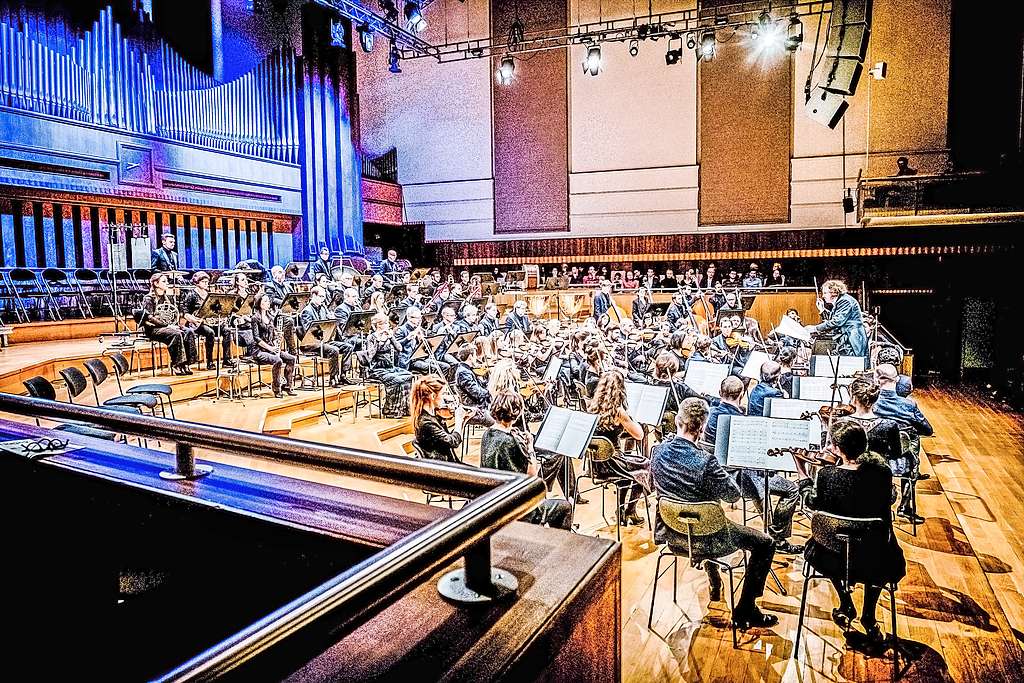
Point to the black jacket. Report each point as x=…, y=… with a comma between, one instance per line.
x=470, y=389
x=435, y=439
x=164, y=260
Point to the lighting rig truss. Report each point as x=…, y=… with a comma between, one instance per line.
x=409, y=43
x=643, y=27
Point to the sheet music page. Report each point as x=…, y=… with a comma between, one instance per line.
x=847, y=365
x=646, y=402
x=752, y=369
x=793, y=408
x=552, y=370
x=704, y=377
x=788, y=433
x=551, y=429
x=820, y=389
x=578, y=431
x=791, y=328
x=748, y=442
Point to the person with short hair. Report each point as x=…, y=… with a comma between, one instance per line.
x=504, y=446
x=322, y=265
x=913, y=423
x=767, y=388
x=860, y=486
x=683, y=471
x=165, y=258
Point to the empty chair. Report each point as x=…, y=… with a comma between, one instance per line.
x=76, y=383
x=40, y=387
x=94, y=292
x=121, y=367
x=27, y=287
x=63, y=292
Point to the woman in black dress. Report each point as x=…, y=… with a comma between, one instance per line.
x=381, y=355
x=861, y=486
x=614, y=423
x=433, y=436
x=265, y=347
x=159, y=318
x=883, y=433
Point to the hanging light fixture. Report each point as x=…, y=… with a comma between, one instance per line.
x=506, y=70
x=414, y=16
x=366, y=37
x=794, y=33
x=393, y=58
x=706, y=47
x=592, y=64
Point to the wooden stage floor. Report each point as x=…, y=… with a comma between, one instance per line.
x=960, y=608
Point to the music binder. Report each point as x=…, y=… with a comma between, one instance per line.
x=358, y=323
x=566, y=432
x=704, y=377
x=752, y=368
x=645, y=403
x=826, y=366
x=745, y=441
x=552, y=369
x=820, y=388
x=216, y=306
x=294, y=302
x=318, y=331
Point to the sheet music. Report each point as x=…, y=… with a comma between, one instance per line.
x=566, y=432
x=823, y=365
x=791, y=328
x=645, y=403
x=750, y=439
x=552, y=370
x=752, y=368
x=792, y=408
x=820, y=388
x=704, y=377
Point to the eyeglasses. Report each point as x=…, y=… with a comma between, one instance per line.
x=40, y=446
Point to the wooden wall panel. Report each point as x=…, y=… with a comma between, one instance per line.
x=531, y=131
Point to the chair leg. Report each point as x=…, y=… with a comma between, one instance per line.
x=654, y=589
x=732, y=607
x=800, y=619
x=895, y=635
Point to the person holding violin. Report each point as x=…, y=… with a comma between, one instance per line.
x=685, y=472
x=768, y=387
x=733, y=342
x=506, y=447
x=640, y=307
x=472, y=392
x=430, y=405
x=845, y=322
x=860, y=486
x=489, y=321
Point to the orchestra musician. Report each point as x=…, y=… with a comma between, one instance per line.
x=602, y=300
x=347, y=343
x=685, y=472
x=376, y=285
x=266, y=349
x=518, y=319
x=279, y=288
x=912, y=422
x=469, y=322
x=159, y=319
x=489, y=321
x=382, y=354
x=732, y=343
x=317, y=310
x=504, y=446
x=845, y=322
x=389, y=268
x=190, y=306
x=641, y=306
x=321, y=266
x=472, y=392
x=676, y=310
x=767, y=388
x=165, y=258
x=432, y=435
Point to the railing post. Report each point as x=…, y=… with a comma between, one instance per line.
x=478, y=582
x=185, y=466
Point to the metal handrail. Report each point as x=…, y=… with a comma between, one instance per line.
x=298, y=631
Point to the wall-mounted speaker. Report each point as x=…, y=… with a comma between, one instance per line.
x=827, y=108
x=848, y=40
x=842, y=75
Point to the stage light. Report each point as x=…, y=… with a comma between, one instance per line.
x=592, y=64
x=794, y=33
x=506, y=70
x=338, y=34
x=691, y=41
x=767, y=35
x=393, y=58
x=879, y=71
x=706, y=49
x=390, y=11
x=366, y=37
x=634, y=47
x=673, y=56
x=414, y=16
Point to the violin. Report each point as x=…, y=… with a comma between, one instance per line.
x=448, y=405
x=735, y=339
x=820, y=458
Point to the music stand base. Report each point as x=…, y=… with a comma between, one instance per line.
x=200, y=471
x=453, y=586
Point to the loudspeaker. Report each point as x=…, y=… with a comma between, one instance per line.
x=848, y=40
x=851, y=12
x=825, y=107
x=842, y=75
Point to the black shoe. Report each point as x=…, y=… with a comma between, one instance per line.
x=911, y=517
x=278, y=394
x=872, y=634
x=211, y=366
x=230, y=363
x=716, y=588
x=921, y=476
x=635, y=519
x=786, y=548
x=290, y=391
x=844, y=616
x=580, y=500
x=754, y=619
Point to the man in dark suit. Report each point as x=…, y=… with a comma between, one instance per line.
x=389, y=268
x=846, y=322
x=165, y=258
x=517, y=319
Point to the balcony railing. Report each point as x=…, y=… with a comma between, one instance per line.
x=931, y=195
x=384, y=167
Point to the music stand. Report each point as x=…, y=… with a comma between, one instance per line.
x=397, y=314
x=297, y=270
x=659, y=310
x=485, y=277
x=418, y=273
x=358, y=323
x=515, y=279
x=294, y=302
x=315, y=335
x=219, y=306
x=567, y=433
x=396, y=293
x=489, y=288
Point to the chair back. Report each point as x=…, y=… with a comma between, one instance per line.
x=838, y=533
x=668, y=423
x=22, y=276
x=97, y=370
x=86, y=275
x=40, y=387
x=601, y=449
x=74, y=380
x=120, y=363
x=55, y=276
x=699, y=519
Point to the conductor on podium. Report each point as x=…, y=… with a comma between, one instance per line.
x=845, y=322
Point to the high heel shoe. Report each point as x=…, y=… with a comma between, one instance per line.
x=844, y=615
x=754, y=619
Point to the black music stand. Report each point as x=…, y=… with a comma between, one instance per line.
x=567, y=433
x=489, y=288
x=396, y=293
x=659, y=310
x=219, y=307
x=316, y=334
x=461, y=340
x=294, y=302
x=397, y=314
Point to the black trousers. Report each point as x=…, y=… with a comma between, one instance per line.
x=761, y=550
x=282, y=363
x=557, y=514
x=181, y=343
x=552, y=469
x=330, y=351
x=209, y=335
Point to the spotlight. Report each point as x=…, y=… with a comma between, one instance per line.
x=706, y=49
x=634, y=47
x=795, y=33
x=365, y=37
x=848, y=205
x=338, y=34
x=390, y=11
x=393, y=57
x=673, y=56
x=767, y=35
x=592, y=64
x=506, y=70
x=414, y=16
x=691, y=41
x=642, y=30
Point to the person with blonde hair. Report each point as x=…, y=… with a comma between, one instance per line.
x=845, y=321
x=614, y=424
